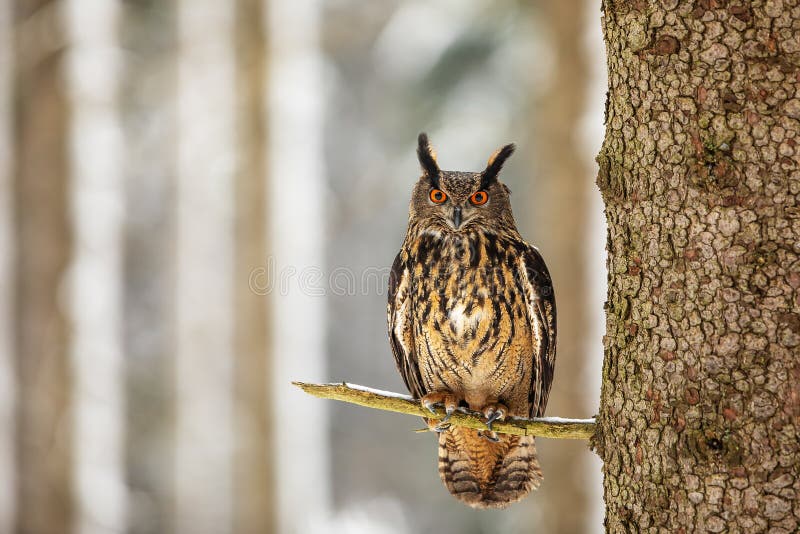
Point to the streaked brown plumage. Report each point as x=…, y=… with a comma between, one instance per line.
x=472, y=322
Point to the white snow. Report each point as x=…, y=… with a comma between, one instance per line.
x=375, y=391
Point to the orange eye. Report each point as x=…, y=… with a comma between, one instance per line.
x=438, y=196
x=479, y=198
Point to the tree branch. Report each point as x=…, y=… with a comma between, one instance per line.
x=548, y=427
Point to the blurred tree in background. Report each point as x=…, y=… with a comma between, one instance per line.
x=560, y=201
x=41, y=249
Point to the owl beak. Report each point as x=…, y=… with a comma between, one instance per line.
x=457, y=217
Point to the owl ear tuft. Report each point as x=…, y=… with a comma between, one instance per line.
x=427, y=159
x=495, y=164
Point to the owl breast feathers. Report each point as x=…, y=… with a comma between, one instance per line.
x=472, y=323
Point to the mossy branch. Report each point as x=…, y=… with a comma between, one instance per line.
x=548, y=427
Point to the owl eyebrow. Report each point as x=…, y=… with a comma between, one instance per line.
x=427, y=159
x=495, y=164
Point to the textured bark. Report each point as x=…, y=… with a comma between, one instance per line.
x=699, y=173
x=560, y=189
x=42, y=252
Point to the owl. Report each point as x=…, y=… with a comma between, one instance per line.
x=472, y=324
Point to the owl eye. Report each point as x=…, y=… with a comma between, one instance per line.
x=438, y=196
x=479, y=198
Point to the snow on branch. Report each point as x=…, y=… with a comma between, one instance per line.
x=548, y=427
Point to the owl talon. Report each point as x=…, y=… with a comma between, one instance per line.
x=492, y=418
x=494, y=412
x=443, y=424
x=450, y=402
x=431, y=406
x=441, y=427
x=492, y=436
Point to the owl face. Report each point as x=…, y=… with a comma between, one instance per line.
x=451, y=201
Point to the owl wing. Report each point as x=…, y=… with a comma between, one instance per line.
x=401, y=332
x=541, y=303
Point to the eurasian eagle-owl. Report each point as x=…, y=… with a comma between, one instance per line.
x=472, y=323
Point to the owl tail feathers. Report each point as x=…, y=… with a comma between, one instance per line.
x=483, y=474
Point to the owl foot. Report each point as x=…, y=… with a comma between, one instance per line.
x=494, y=411
x=489, y=436
x=449, y=400
x=439, y=427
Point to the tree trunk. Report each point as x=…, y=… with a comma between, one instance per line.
x=43, y=242
x=254, y=504
x=8, y=386
x=559, y=186
x=699, y=172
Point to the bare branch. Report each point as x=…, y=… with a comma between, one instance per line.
x=548, y=427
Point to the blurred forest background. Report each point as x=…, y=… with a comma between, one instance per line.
x=200, y=201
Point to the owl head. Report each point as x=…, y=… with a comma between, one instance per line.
x=452, y=201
